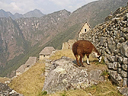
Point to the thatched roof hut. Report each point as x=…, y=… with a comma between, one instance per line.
x=46, y=52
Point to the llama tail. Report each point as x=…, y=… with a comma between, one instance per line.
x=74, y=48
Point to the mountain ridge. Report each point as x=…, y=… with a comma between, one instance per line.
x=31, y=35
x=33, y=13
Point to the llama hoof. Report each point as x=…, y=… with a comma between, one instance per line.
x=88, y=64
x=79, y=65
x=83, y=66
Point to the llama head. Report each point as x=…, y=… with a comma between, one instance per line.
x=98, y=56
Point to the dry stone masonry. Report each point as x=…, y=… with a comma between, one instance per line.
x=111, y=39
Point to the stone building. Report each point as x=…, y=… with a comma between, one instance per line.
x=46, y=52
x=86, y=27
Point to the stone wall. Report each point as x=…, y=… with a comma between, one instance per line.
x=68, y=45
x=111, y=39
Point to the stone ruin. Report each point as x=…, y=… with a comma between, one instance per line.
x=111, y=39
x=68, y=44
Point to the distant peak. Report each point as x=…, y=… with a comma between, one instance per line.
x=64, y=10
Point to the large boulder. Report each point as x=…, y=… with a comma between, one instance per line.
x=64, y=75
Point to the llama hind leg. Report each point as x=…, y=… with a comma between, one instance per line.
x=81, y=57
x=77, y=60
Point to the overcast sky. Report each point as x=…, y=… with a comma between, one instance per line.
x=45, y=6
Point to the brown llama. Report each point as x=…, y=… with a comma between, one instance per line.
x=82, y=48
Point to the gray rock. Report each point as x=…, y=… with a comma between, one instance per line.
x=124, y=49
x=119, y=65
x=114, y=76
x=119, y=45
x=119, y=70
x=96, y=75
x=112, y=65
x=127, y=15
x=5, y=90
x=126, y=36
x=102, y=41
x=106, y=60
x=121, y=40
x=125, y=60
x=125, y=67
x=125, y=81
x=124, y=91
x=66, y=76
x=107, y=51
x=124, y=74
x=120, y=60
x=111, y=58
x=125, y=30
x=111, y=45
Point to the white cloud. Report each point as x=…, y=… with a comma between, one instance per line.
x=46, y=6
x=24, y=5
x=15, y=8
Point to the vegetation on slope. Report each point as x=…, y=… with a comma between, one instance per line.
x=62, y=37
x=94, y=13
x=2, y=80
x=102, y=89
x=31, y=82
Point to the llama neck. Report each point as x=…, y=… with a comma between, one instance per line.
x=97, y=54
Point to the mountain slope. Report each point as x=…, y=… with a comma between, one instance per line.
x=95, y=12
x=34, y=13
x=31, y=35
x=22, y=38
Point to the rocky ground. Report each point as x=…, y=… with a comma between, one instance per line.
x=64, y=74
x=5, y=90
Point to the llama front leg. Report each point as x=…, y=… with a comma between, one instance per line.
x=87, y=59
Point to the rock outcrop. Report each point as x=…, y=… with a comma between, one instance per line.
x=5, y=90
x=62, y=74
